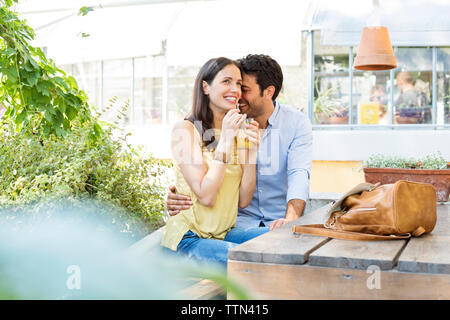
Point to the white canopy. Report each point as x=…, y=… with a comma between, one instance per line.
x=195, y=31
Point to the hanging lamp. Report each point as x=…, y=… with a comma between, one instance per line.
x=375, y=49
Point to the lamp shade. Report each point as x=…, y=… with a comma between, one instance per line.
x=375, y=50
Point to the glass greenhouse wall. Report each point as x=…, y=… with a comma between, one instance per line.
x=140, y=80
x=151, y=58
x=346, y=96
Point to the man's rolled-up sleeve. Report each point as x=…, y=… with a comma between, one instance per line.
x=299, y=161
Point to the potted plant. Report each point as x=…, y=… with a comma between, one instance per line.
x=339, y=116
x=413, y=109
x=328, y=110
x=409, y=115
x=431, y=169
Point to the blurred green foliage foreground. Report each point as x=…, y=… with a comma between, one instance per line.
x=74, y=254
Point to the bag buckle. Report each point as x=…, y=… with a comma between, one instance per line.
x=340, y=214
x=376, y=185
x=333, y=222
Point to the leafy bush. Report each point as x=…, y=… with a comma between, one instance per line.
x=37, y=95
x=54, y=150
x=433, y=161
x=74, y=168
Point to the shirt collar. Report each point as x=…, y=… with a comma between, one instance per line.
x=274, y=115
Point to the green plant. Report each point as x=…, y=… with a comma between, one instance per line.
x=433, y=161
x=55, y=152
x=38, y=171
x=326, y=106
x=38, y=96
x=324, y=103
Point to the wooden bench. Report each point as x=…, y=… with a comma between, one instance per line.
x=201, y=289
x=281, y=265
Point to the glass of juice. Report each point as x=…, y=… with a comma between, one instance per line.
x=242, y=140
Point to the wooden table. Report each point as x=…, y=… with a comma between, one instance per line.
x=281, y=265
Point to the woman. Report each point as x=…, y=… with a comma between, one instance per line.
x=210, y=169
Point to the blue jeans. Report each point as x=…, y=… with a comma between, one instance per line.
x=216, y=251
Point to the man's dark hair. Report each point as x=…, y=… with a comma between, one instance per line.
x=266, y=71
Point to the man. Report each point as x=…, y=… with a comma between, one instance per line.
x=409, y=96
x=284, y=154
x=411, y=102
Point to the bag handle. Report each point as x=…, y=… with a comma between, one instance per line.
x=320, y=230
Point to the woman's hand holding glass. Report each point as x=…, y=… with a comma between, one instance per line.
x=231, y=123
x=253, y=137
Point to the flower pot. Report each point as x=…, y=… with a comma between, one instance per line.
x=406, y=120
x=375, y=50
x=440, y=179
x=320, y=118
x=409, y=115
x=338, y=120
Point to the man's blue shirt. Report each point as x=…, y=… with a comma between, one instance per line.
x=283, y=167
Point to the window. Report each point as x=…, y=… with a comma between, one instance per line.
x=117, y=82
x=401, y=96
x=181, y=88
x=443, y=85
x=331, y=85
x=371, y=97
x=294, y=91
x=413, y=86
x=147, y=91
x=88, y=76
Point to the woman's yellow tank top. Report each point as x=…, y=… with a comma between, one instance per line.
x=207, y=222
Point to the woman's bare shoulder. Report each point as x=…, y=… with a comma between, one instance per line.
x=183, y=124
x=183, y=127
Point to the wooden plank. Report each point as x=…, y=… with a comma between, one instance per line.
x=287, y=248
x=274, y=281
x=443, y=220
x=202, y=290
x=281, y=245
x=430, y=253
x=278, y=246
x=250, y=250
x=357, y=254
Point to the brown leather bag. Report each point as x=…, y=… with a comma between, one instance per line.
x=386, y=212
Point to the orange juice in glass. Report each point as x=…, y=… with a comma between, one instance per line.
x=242, y=140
